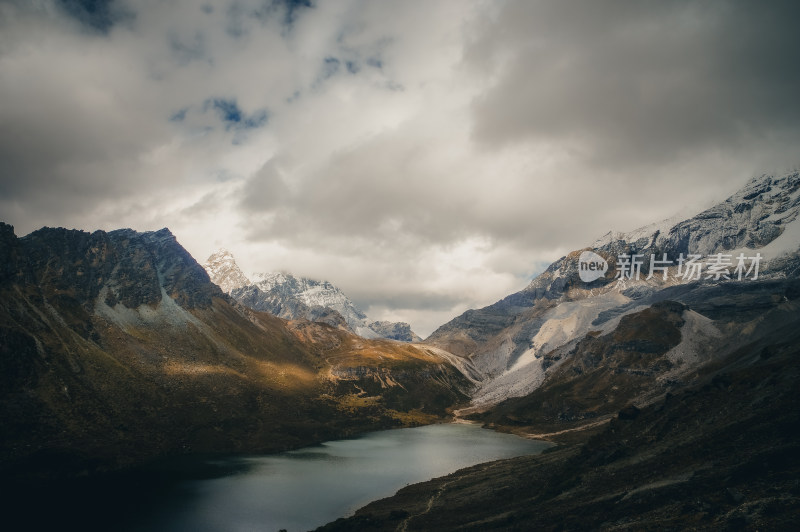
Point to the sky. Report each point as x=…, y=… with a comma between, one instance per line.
x=427, y=157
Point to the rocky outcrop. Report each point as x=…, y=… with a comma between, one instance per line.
x=395, y=330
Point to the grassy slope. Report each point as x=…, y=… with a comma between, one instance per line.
x=226, y=383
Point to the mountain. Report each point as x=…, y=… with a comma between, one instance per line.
x=396, y=330
x=224, y=272
x=674, y=397
x=671, y=388
x=519, y=341
x=116, y=349
x=291, y=297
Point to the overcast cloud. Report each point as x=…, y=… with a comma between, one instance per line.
x=426, y=157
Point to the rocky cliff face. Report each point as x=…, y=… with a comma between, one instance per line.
x=131, y=269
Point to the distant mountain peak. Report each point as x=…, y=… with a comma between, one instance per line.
x=395, y=330
x=223, y=271
x=291, y=297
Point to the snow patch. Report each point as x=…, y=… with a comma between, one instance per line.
x=166, y=312
x=565, y=325
x=699, y=339
x=648, y=231
x=787, y=242
x=518, y=383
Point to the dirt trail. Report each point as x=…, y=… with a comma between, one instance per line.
x=544, y=436
x=404, y=525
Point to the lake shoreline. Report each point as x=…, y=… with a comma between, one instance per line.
x=158, y=482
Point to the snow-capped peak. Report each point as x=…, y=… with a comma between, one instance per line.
x=751, y=218
x=312, y=293
x=224, y=272
x=292, y=297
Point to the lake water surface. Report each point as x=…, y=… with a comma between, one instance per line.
x=306, y=488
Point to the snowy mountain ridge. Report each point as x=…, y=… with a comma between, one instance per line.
x=312, y=293
x=519, y=341
x=762, y=215
x=291, y=297
x=751, y=218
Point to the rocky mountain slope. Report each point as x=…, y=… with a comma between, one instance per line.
x=291, y=297
x=721, y=454
x=115, y=348
x=519, y=341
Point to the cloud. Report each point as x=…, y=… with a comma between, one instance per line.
x=265, y=190
x=646, y=83
x=425, y=157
